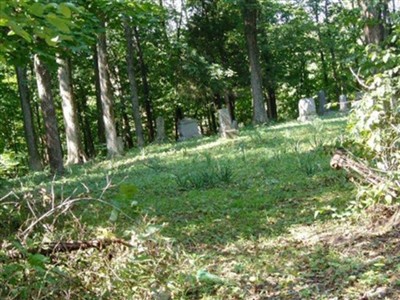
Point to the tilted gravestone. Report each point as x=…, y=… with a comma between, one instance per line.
x=160, y=126
x=188, y=128
x=343, y=103
x=307, y=110
x=226, y=128
x=321, y=102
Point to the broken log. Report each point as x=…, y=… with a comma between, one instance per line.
x=52, y=248
x=343, y=160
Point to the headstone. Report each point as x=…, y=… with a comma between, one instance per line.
x=321, y=102
x=160, y=127
x=188, y=128
x=235, y=125
x=225, y=124
x=307, y=110
x=343, y=104
x=120, y=144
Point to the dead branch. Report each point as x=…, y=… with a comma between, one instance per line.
x=359, y=80
x=55, y=247
x=342, y=160
x=52, y=248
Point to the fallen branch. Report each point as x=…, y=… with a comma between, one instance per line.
x=342, y=160
x=52, y=248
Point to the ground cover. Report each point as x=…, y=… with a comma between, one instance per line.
x=259, y=217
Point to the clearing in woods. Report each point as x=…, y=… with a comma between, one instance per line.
x=259, y=217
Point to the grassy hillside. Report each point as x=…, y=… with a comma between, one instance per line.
x=259, y=217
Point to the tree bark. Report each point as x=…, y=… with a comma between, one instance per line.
x=132, y=83
x=100, y=123
x=107, y=100
x=250, y=22
x=53, y=142
x=146, y=88
x=374, y=29
x=75, y=153
x=35, y=163
x=85, y=125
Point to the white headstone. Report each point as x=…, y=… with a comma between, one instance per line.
x=225, y=124
x=160, y=127
x=188, y=128
x=307, y=110
x=343, y=104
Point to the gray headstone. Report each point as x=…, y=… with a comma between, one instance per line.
x=225, y=124
x=343, y=103
x=321, y=102
x=120, y=144
x=160, y=126
x=307, y=110
x=188, y=128
x=235, y=125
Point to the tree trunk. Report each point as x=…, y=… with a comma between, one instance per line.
x=35, y=163
x=75, y=151
x=250, y=22
x=100, y=123
x=85, y=125
x=132, y=83
x=146, y=89
x=125, y=126
x=53, y=142
x=272, y=112
x=107, y=101
x=374, y=29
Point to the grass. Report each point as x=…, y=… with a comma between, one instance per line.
x=251, y=218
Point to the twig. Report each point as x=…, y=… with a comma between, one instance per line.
x=65, y=206
x=359, y=80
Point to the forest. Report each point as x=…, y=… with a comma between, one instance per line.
x=199, y=149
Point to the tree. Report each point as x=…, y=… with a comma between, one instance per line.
x=53, y=143
x=250, y=24
x=132, y=83
x=107, y=101
x=146, y=89
x=75, y=153
x=35, y=163
x=374, y=13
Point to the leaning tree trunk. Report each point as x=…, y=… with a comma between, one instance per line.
x=107, y=101
x=75, y=151
x=53, y=142
x=35, y=163
x=250, y=22
x=132, y=83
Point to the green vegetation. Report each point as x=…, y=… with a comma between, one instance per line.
x=98, y=201
x=260, y=216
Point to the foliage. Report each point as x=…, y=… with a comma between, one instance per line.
x=375, y=120
x=233, y=239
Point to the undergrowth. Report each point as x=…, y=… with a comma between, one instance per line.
x=205, y=219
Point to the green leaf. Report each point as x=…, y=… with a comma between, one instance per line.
x=386, y=57
x=64, y=10
x=57, y=22
x=17, y=29
x=37, y=260
x=3, y=22
x=36, y=9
